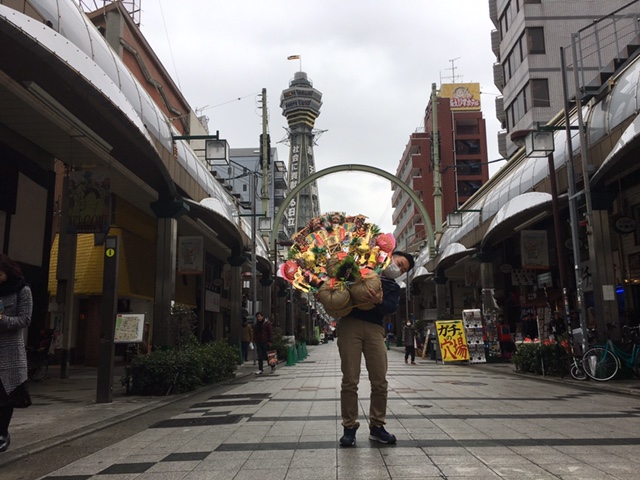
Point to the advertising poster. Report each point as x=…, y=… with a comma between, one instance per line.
x=534, y=249
x=452, y=340
x=190, y=255
x=129, y=328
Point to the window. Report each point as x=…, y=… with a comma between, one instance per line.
x=469, y=167
x=540, y=92
x=466, y=188
x=535, y=40
x=467, y=147
x=467, y=127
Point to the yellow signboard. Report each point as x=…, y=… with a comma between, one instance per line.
x=452, y=340
x=462, y=96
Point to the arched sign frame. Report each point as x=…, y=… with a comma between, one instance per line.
x=348, y=168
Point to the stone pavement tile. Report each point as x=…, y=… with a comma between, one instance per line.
x=268, y=460
x=265, y=473
x=210, y=475
x=361, y=472
x=312, y=473
x=413, y=471
x=185, y=467
x=223, y=461
x=461, y=458
x=360, y=457
x=467, y=471
x=314, y=458
x=524, y=471
x=157, y=476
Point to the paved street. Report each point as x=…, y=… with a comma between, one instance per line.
x=452, y=421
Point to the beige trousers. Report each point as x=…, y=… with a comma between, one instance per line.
x=355, y=338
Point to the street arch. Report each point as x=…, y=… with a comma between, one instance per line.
x=347, y=168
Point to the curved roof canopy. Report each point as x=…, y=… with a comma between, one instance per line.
x=452, y=254
x=612, y=167
x=523, y=208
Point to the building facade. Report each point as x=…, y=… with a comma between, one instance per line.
x=461, y=154
x=90, y=102
x=527, y=41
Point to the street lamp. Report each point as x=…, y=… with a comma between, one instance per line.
x=539, y=143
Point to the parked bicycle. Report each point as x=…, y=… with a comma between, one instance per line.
x=38, y=356
x=575, y=359
x=602, y=362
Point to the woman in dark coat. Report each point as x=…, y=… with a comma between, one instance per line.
x=15, y=315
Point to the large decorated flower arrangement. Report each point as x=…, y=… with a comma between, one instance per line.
x=339, y=259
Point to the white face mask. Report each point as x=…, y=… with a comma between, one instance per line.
x=392, y=271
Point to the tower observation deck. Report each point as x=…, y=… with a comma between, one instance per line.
x=301, y=104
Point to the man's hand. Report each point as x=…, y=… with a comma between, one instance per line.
x=373, y=296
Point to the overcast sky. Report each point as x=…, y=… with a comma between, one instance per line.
x=373, y=61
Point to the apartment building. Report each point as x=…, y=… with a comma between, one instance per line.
x=527, y=41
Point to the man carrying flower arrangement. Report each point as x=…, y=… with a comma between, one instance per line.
x=351, y=267
x=360, y=333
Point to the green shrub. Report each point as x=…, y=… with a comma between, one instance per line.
x=279, y=344
x=179, y=370
x=529, y=358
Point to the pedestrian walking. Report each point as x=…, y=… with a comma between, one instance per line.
x=263, y=338
x=16, y=305
x=246, y=339
x=362, y=332
x=409, y=342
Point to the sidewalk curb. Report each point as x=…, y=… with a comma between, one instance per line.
x=155, y=403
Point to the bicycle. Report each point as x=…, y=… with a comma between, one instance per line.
x=602, y=362
x=574, y=357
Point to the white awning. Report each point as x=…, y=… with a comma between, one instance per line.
x=452, y=254
x=612, y=168
x=527, y=207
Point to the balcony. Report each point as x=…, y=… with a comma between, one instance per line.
x=500, y=113
x=498, y=76
x=495, y=43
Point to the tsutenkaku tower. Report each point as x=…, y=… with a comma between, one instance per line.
x=301, y=106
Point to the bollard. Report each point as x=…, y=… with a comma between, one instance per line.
x=290, y=360
x=304, y=349
x=295, y=353
x=239, y=352
x=387, y=343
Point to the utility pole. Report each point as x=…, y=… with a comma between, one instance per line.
x=265, y=151
x=437, y=182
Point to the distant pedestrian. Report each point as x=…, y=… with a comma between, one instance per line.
x=16, y=304
x=263, y=338
x=557, y=326
x=246, y=339
x=409, y=342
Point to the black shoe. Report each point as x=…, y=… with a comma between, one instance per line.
x=349, y=437
x=379, y=434
x=5, y=442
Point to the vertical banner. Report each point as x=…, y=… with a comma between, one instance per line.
x=452, y=340
x=472, y=274
x=190, y=255
x=534, y=249
x=89, y=202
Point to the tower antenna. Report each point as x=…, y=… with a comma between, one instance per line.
x=453, y=77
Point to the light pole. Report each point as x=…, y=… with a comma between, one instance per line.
x=540, y=143
x=406, y=296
